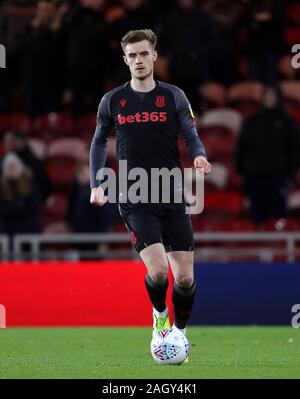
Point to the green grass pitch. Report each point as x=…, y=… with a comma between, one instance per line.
x=216, y=352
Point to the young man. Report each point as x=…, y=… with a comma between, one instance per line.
x=147, y=115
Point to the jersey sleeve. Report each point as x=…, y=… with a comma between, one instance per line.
x=98, y=150
x=187, y=126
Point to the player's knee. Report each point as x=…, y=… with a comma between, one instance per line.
x=160, y=275
x=184, y=281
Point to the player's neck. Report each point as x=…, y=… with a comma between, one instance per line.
x=145, y=85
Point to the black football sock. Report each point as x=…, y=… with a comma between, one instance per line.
x=157, y=293
x=183, y=299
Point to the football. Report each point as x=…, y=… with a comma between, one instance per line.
x=169, y=346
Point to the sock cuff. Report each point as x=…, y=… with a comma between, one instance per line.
x=153, y=284
x=185, y=291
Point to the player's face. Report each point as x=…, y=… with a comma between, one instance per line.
x=140, y=58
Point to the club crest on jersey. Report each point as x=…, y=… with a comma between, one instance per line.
x=160, y=101
x=123, y=102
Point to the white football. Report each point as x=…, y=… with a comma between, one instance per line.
x=169, y=346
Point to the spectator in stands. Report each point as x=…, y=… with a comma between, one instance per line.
x=267, y=157
x=82, y=216
x=264, y=21
x=227, y=14
x=14, y=18
x=189, y=35
x=16, y=142
x=20, y=202
x=43, y=59
x=137, y=14
x=87, y=54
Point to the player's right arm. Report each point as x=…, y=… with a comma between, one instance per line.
x=98, y=151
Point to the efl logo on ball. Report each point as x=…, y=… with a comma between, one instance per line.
x=169, y=346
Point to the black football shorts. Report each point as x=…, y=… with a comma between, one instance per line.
x=167, y=224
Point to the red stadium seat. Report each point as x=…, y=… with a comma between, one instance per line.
x=226, y=118
x=292, y=35
x=60, y=124
x=293, y=14
x=213, y=95
x=55, y=209
x=242, y=225
x=61, y=171
x=70, y=147
x=291, y=94
x=224, y=202
x=85, y=126
x=291, y=91
x=56, y=227
x=17, y=121
x=287, y=224
x=245, y=97
x=218, y=141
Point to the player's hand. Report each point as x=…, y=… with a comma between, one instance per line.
x=97, y=196
x=202, y=165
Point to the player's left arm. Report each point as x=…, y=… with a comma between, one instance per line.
x=187, y=126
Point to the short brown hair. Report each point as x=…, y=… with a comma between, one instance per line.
x=135, y=36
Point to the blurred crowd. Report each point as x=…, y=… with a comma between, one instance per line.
x=63, y=55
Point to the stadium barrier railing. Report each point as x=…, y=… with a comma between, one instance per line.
x=4, y=247
x=265, y=246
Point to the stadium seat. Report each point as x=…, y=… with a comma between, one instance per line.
x=245, y=97
x=278, y=225
x=224, y=202
x=85, y=126
x=17, y=121
x=293, y=13
x=70, y=147
x=54, y=209
x=61, y=170
x=218, y=141
x=292, y=35
x=286, y=69
x=241, y=225
x=291, y=91
x=60, y=124
x=56, y=227
x=213, y=95
x=225, y=118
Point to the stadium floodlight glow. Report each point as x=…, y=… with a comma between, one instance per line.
x=2, y=56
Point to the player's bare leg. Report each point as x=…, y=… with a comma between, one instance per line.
x=182, y=265
x=156, y=262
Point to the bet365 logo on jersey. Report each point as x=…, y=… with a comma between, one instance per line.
x=142, y=117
